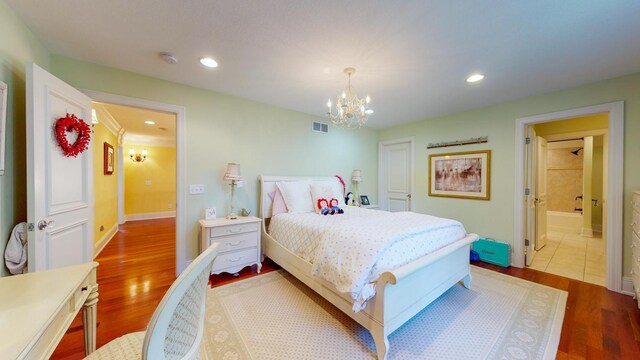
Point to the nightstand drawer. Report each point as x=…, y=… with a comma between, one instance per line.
x=224, y=261
x=235, y=242
x=233, y=229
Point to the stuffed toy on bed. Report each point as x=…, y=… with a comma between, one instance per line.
x=329, y=207
x=350, y=199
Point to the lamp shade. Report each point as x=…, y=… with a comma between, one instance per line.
x=233, y=172
x=356, y=176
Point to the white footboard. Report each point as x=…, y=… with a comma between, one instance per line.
x=400, y=294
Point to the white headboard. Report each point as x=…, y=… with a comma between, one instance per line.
x=268, y=184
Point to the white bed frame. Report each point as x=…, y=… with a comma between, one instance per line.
x=400, y=294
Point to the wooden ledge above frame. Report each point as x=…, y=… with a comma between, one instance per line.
x=478, y=140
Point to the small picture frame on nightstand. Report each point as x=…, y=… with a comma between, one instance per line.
x=210, y=213
x=364, y=200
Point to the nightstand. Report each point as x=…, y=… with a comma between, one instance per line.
x=372, y=207
x=239, y=241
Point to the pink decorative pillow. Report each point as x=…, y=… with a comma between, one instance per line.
x=279, y=205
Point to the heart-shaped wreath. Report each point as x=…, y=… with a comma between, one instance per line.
x=71, y=123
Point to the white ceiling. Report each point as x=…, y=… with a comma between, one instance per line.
x=412, y=57
x=132, y=120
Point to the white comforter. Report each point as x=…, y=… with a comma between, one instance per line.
x=353, y=249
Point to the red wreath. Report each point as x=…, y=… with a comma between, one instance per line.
x=71, y=123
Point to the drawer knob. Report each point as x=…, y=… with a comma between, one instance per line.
x=235, y=243
x=236, y=259
x=234, y=231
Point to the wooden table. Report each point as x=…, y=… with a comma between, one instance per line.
x=36, y=310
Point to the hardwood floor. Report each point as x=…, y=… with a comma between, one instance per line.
x=138, y=266
x=136, y=269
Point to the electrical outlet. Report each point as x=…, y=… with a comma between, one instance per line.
x=147, y=182
x=169, y=206
x=196, y=189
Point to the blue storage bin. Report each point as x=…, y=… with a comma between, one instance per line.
x=492, y=251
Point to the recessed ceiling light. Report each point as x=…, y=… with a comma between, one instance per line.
x=208, y=62
x=475, y=78
x=149, y=122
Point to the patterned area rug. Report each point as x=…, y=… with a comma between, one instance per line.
x=275, y=316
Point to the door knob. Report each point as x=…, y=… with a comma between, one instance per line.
x=409, y=196
x=43, y=224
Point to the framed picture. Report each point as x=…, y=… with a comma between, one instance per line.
x=3, y=123
x=109, y=159
x=364, y=200
x=464, y=175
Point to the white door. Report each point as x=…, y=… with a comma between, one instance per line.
x=59, y=188
x=541, y=193
x=530, y=203
x=396, y=169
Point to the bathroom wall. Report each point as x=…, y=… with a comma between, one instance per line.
x=564, y=176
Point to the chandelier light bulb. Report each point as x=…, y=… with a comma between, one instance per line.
x=351, y=111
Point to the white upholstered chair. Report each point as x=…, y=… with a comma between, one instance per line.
x=177, y=326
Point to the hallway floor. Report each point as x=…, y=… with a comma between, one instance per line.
x=573, y=256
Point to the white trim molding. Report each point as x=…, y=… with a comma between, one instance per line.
x=150, y=216
x=614, y=186
x=627, y=286
x=104, y=240
x=181, y=162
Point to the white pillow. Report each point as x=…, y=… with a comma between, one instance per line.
x=321, y=192
x=336, y=189
x=297, y=195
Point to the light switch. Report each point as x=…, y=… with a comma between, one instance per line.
x=147, y=182
x=196, y=189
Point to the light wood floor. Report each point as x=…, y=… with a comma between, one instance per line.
x=138, y=266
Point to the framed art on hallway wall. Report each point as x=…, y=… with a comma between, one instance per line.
x=464, y=175
x=109, y=158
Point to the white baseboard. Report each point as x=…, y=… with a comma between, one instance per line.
x=627, y=286
x=104, y=240
x=149, y=216
x=588, y=232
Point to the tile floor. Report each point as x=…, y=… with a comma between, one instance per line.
x=573, y=256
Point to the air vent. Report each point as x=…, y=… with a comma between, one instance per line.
x=320, y=127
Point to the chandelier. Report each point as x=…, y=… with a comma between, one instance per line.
x=351, y=111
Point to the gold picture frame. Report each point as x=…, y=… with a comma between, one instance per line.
x=109, y=158
x=465, y=175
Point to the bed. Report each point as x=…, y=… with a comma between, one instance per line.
x=400, y=293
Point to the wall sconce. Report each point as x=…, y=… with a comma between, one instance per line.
x=138, y=157
x=233, y=174
x=356, y=178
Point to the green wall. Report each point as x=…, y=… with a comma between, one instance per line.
x=264, y=139
x=495, y=218
x=17, y=47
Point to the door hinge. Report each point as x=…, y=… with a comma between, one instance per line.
x=527, y=140
x=527, y=191
x=30, y=227
x=526, y=242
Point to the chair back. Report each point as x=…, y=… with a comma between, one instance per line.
x=177, y=326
